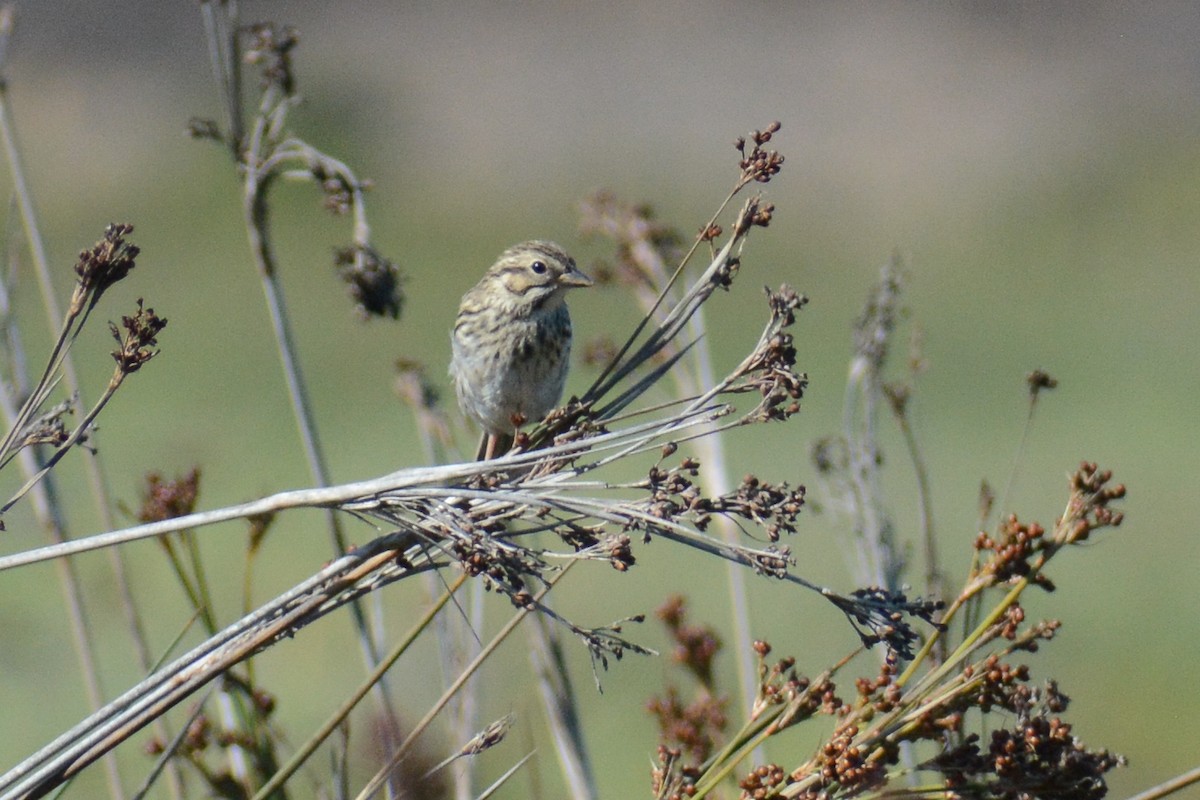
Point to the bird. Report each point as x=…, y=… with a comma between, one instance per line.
x=511, y=342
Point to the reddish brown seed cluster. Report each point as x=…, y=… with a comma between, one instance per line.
x=481, y=553
x=771, y=368
x=695, y=645
x=1015, y=544
x=759, y=164
x=671, y=779
x=1088, y=508
x=762, y=781
x=167, y=499
x=1041, y=758
x=756, y=213
x=780, y=685
x=880, y=692
x=1012, y=548
x=842, y=762
x=845, y=763
x=695, y=726
x=772, y=561
x=1037, y=757
x=1002, y=685
x=1010, y=623
x=1028, y=639
x=620, y=552
x=674, y=493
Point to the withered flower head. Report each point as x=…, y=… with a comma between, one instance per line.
x=1039, y=380
x=104, y=264
x=270, y=48
x=373, y=282
x=167, y=499
x=141, y=332
x=759, y=165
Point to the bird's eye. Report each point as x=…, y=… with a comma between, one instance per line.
x=538, y=267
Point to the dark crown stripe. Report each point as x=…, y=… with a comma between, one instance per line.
x=544, y=249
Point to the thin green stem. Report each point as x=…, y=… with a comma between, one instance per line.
x=968, y=643
x=381, y=777
x=200, y=580
x=934, y=582
x=305, y=751
x=1019, y=456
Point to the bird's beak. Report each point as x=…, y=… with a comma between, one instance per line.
x=574, y=278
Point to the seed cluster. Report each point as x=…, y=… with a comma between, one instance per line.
x=880, y=616
x=167, y=499
x=104, y=264
x=771, y=368
x=692, y=725
x=135, y=345
x=48, y=428
x=675, y=494
x=1018, y=550
x=759, y=164
x=1037, y=757
x=270, y=48
x=372, y=281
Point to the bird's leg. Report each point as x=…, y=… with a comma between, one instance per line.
x=493, y=445
x=498, y=444
x=484, y=451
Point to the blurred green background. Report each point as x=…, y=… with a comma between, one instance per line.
x=1037, y=166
